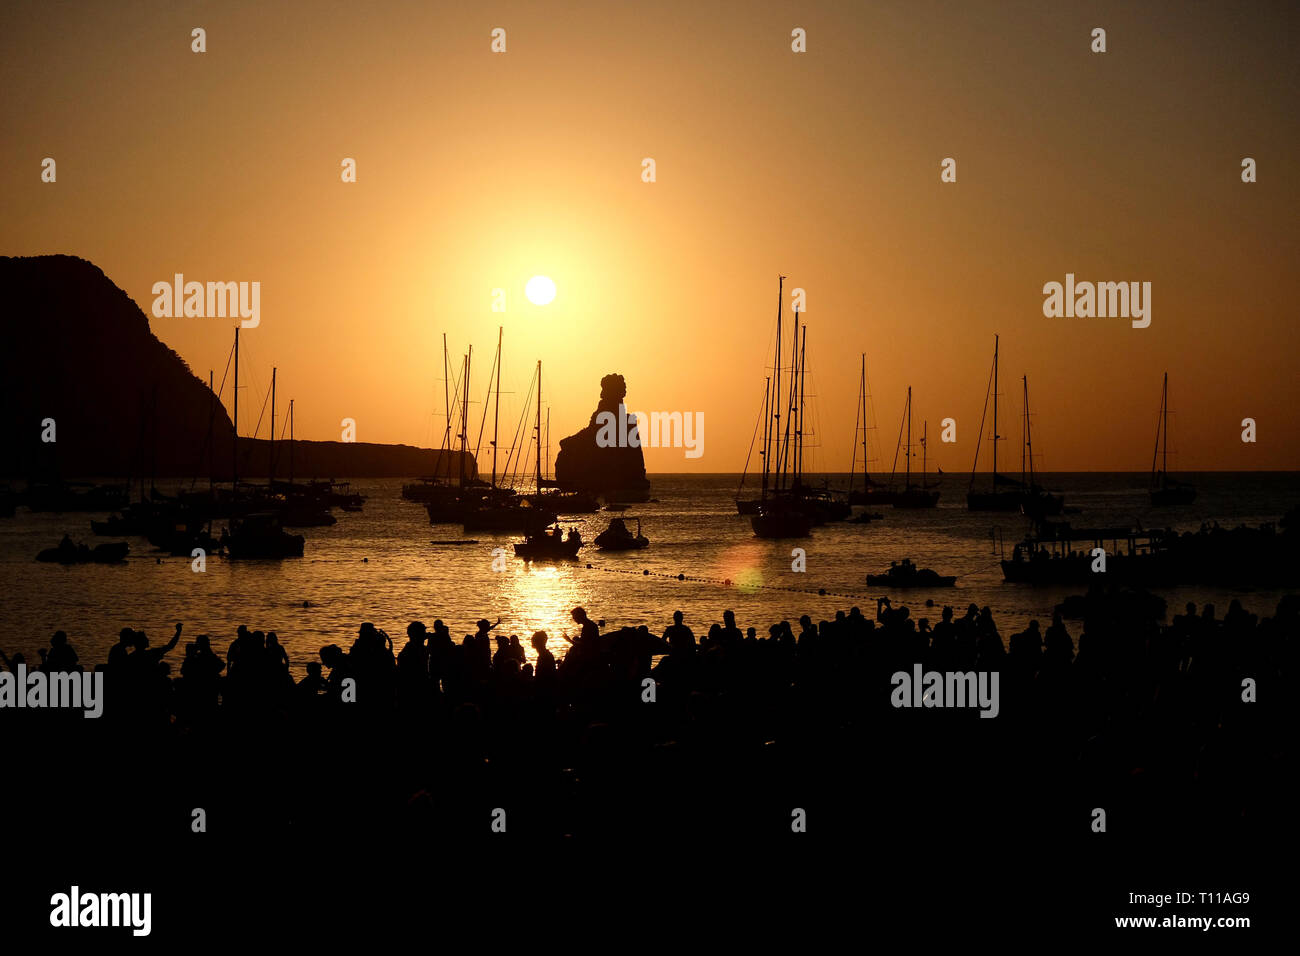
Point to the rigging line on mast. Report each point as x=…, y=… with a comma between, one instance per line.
x=1160, y=415
x=983, y=416
x=262, y=411
x=229, y=356
x=507, y=475
x=893, y=469
x=482, y=425
x=752, y=440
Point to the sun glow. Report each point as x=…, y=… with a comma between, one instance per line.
x=540, y=290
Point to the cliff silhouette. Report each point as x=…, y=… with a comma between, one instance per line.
x=79, y=350
x=615, y=472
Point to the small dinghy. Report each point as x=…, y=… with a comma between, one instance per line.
x=908, y=575
x=549, y=545
x=69, y=553
x=618, y=538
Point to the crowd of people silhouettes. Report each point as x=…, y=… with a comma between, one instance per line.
x=1130, y=699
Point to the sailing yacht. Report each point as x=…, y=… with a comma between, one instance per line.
x=1166, y=491
x=257, y=534
x=1008, y=494
x=499, y=508
x=780, y=512
x=552, y=498
x=872, y=492
x=1037, y=502
x=438, y=488
x=919, y=496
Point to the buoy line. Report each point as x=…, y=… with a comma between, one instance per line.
x=728, y=583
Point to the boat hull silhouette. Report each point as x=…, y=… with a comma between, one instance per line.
x=909, y=576
x=546, y=548
x=507, y=518
x=618, y=538
x=1242, y=556
x=916, y=498
x=781, y=523
x=109, y=553
x=260, y=536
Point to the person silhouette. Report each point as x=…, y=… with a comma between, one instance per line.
x=544, y=671
x=61, y=657
x=678, y=635
x=119, y=652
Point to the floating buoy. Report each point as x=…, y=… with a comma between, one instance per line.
x=646, y=571
x=681, y=577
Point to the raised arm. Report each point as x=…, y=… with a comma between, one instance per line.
x=175, y=639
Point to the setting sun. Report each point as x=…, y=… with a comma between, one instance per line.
x=540, y=290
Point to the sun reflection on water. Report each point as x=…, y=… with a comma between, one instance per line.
x=541, y=597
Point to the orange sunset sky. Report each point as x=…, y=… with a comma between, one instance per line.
x=478, y=170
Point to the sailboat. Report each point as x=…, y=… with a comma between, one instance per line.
x=1166, y=491
x=1007, y=494
x=994, y=499
x=920, y=496
x=446, y=503
x=307, y=504
x=820, y=505
x=437, y=492
x=499, y=508
x=259, y=534
x=561, y=502
x=1037, y=502
x=780, y=513
x=872, y=493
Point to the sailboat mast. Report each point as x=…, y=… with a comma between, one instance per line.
x=234, y=465
x=798, y=432
x=446, y=404
x=794, y=381
x=925, y=430
x=496, y=412
x=866, y=480
x=212, y=463
x=464, y=422
x=270, y=448
x=539, y=426
x=291, y=441
x=995, y=413
x=767, y=427
x=776, y=386
x=1028, y=450
x=1164, y=403
x=907, y=451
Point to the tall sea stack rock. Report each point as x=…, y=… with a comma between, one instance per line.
x=616, y=472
